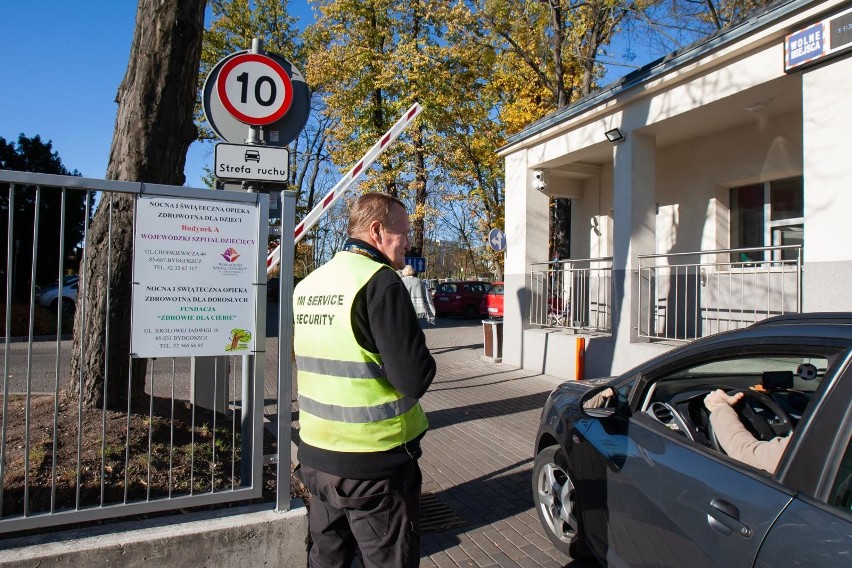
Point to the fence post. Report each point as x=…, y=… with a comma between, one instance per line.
x=285, y=351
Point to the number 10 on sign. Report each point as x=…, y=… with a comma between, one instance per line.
x=255, y=89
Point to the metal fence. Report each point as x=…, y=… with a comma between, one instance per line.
x=572, y=294
x=684, y=296
x=191, y=434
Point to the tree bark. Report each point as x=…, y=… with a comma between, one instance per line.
x=153, y=130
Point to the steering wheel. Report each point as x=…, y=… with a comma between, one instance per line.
x=754, y=421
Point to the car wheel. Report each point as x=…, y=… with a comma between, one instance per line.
x=470, y=312
x=67, y=306
x=556, y=504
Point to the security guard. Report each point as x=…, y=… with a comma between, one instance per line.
x=363, y=366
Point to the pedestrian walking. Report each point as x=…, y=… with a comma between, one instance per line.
x=363, y=365
x=421, y=299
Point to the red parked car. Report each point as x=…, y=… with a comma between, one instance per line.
x=492, y=302
x=461, y=298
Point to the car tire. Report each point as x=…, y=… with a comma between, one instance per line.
x=470, y=312
x=556, y=504
x=68, y=306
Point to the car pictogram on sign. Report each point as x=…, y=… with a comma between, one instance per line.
x=252, y=156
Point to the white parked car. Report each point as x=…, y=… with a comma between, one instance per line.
x=52, y=297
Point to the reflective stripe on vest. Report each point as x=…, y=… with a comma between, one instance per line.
x=347, y=369
x=346, y=402
x=356, y=414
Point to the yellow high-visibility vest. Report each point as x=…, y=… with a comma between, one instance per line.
x=346, y=404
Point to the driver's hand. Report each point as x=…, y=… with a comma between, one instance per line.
x=719, y=397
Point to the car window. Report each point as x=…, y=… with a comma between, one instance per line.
x=806, y=372
x=787, y=378
x=497, y=290
x=447, y=288
x=841, y=493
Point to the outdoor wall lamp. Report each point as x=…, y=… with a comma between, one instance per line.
x=614, y=135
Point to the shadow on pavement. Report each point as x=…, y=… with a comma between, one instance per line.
x=440, y=350
x=451, y=416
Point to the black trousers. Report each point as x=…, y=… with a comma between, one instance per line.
x=376, y=519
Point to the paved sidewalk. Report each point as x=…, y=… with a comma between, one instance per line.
x=478, y=456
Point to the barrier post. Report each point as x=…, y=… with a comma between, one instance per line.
x=580, y=359
x=348, y=181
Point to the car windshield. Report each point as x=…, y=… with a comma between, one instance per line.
x=805, y=373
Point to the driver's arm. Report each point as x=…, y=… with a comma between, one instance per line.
x=736, y=440
x=600, y=399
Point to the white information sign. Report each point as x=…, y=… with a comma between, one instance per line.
x=251, y=162
x=194, y=265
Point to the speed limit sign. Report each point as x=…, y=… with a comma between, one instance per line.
x=254, y=89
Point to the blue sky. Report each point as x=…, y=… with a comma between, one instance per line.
x=62, y=62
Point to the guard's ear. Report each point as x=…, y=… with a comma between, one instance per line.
x=375, y=231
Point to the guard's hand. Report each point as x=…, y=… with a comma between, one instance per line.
x=719, y=397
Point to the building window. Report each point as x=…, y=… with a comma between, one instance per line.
x=767, y=214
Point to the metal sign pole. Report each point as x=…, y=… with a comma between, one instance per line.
x=252, y=381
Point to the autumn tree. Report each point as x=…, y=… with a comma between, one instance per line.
x=375, y=59
x=548, y=58
x=350, y=45
x=153, y=131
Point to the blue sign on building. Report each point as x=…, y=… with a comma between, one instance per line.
x=805, y=45
x=418, y=263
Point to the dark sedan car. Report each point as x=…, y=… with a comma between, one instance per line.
x=642, y=481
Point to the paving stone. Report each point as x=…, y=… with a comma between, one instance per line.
x=477, y=457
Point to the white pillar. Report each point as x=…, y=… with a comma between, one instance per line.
x=526, y=243
x=634, y=231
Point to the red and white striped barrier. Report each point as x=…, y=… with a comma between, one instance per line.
x=348, y=181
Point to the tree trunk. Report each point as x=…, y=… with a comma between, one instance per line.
x=153, y=131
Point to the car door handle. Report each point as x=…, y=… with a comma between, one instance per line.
x=725, y=518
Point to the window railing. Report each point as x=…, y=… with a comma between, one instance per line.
x=572, y=294
x=684, y=296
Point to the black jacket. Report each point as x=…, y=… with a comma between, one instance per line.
x=384, y=322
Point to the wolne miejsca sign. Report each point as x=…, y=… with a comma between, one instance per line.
x=194, y=265
x=819, y=40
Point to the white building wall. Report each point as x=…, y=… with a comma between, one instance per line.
x=827, y=124
x=693, y=180
x=526, y=243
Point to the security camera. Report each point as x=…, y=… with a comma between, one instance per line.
x=539, y=182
